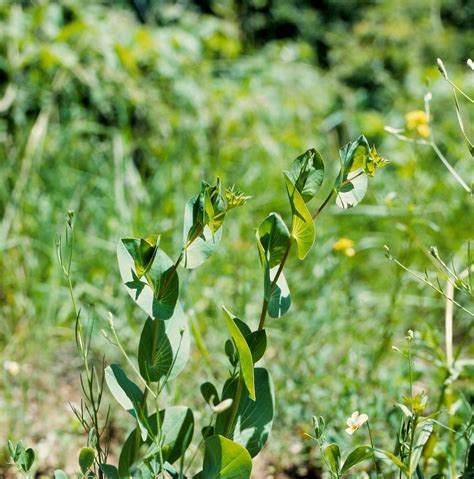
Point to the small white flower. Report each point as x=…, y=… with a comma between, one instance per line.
x=12, y=367
x=355, y=422
x=470, y=64
x=222, y=406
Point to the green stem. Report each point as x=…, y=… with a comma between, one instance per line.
x=235, y=406
x=373, y=451
x=263, y=313
x=325, y=202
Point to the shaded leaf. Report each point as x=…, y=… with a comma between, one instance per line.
x=273, y=238
x=126, y=393
x=257, y=342
x=156, y=292
x=254, y=418
x=177, y=427
x=172, y=347
x=307, y=173
x=357, y=455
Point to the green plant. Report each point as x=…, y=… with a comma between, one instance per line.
x=242, y=414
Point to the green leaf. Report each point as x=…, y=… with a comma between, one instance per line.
x=393, y=458
x=26, y=459
x=111, y=472
x=245, y=356
x=254, y=418
x=307, y=173
x=209, y=393
x=126, y=393
x=202, y=230
x=59, y=474
x=142, y=251
x=302, y=225
x=156, y=292
x=422, y=434
x=177, y=427
x=351, y=183
x=279, y=299
x=273, y=239
x=257, y=342
x=215, y=206
x=333, y=456
x=86, y=459
x=225, y=459
x=165, y=283
x=172, y=347
x=357, y=455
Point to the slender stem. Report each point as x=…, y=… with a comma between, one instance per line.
x=235, y=406
x=325, y=202
x=373, y=451
x=263, y=313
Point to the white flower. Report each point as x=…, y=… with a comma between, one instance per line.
x=12, y=367
x=355, y=422
x=222, y=406
x=470, y=64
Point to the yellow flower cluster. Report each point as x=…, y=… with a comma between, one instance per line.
x=345, y=246
x=418, y=121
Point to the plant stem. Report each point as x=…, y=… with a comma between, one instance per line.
x=235, y=406
x=373, y=451
x=325, y=202
x=263, y=313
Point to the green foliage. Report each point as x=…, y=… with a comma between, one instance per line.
x=120, y=120
x=224, y=459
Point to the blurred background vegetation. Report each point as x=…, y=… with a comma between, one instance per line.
x=117, y=110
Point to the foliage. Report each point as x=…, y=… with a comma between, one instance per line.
x=118, y=117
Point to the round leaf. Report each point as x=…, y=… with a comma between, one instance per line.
x=86, y=459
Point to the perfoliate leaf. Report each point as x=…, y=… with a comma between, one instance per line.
x=273, y=238
x=156, y=290
x=200, y=241
x=357, y=160
x=257, y=341
x=215, y=206
x=254, y=419
x=177, y=427
x=126, y=393
x=142, y=251
x=171, y=352
x=245, y=356
x=302, y=225
x=307, y=173
x=225, y=459
x=279, y=298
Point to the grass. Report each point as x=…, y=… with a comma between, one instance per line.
x=121, y=127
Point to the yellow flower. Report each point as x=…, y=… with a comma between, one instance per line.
x=418, y=120
x=355, y=422
x=345, y=246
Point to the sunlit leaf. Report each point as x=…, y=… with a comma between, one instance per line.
x=302, y=225
x=225, y=459
x=245, y=356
